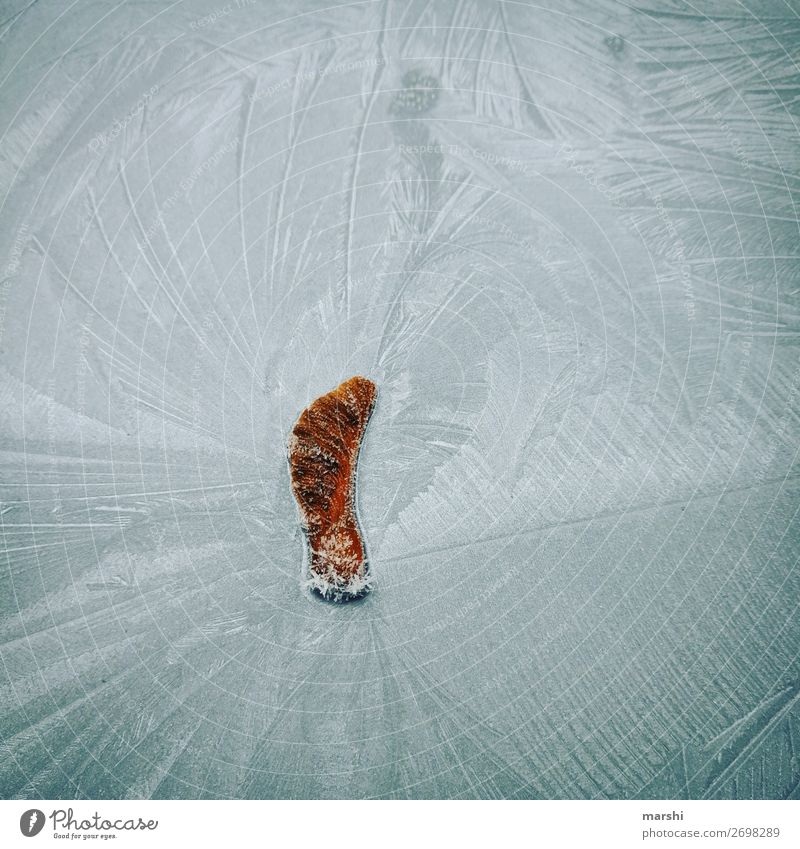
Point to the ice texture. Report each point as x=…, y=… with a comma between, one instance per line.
x=562, y=239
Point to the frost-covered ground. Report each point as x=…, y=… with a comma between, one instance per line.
x=563, y=240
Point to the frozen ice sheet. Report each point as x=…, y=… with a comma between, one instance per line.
x=564, y=243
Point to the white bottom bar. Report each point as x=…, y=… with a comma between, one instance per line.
x=355, y=824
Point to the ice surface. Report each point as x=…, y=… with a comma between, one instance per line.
x=564, y=243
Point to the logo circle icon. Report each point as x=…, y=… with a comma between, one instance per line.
x=31, y=822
